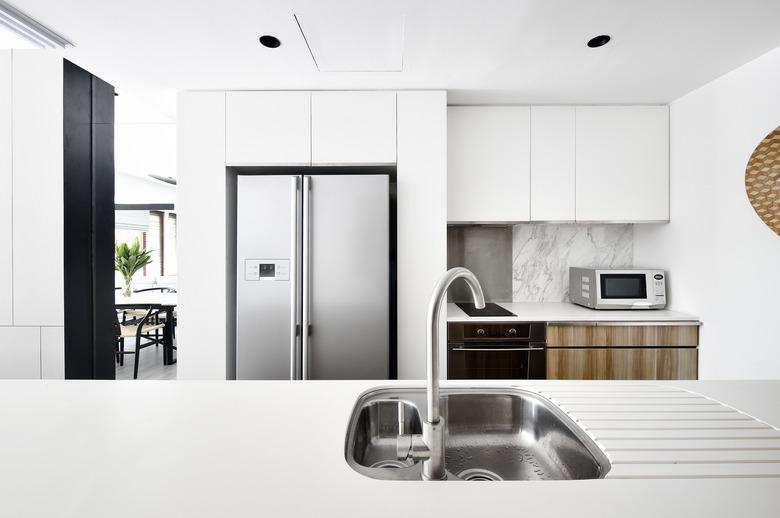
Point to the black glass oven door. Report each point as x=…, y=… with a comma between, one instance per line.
x=495, y=361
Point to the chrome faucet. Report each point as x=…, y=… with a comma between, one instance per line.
x=430, y=445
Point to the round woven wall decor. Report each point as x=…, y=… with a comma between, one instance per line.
x=762, y=180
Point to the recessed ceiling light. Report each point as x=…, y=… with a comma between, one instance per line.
x=599, y=41
x=270, y=41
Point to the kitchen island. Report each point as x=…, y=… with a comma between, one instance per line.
x=267, y=448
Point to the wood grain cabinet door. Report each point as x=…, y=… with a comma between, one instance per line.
x=637, y=363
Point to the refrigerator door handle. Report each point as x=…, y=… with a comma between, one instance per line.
x=306, y=279
x=294, y=267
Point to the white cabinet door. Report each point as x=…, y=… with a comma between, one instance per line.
x=268, y=128
x=20, y=352
x=37, y=188
x=6, y=200
x=52, y=353
x=622, y=163
x=488, y=163
x=353, y=127
x=552, y=163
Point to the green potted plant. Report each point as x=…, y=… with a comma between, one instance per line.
x=130, y=259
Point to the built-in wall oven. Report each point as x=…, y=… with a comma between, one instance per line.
x=486, y=350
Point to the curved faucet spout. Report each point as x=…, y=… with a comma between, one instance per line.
x=430, y=447
x=434, y=314
x=433, y=427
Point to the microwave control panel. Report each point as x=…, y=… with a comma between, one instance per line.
x=660, y=286
x=266, y=269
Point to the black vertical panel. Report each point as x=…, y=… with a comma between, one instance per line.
x=77, y=133
x=88, y=224
x=103, y=227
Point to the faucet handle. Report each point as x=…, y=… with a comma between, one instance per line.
x=411, y=447
x=403, y=446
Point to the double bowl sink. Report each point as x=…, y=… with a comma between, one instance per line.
x=491, y=434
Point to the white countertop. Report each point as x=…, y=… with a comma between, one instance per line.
x=104, y=448
x=568, y=312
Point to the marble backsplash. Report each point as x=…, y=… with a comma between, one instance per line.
x=543, y=252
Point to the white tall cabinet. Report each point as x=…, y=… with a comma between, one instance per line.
x=31, y=214
x=488, y=163
x=622, y=156
x=220, y=129
x=201, y=211
x=268, y=128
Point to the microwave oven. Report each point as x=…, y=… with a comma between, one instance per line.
x=597, y=288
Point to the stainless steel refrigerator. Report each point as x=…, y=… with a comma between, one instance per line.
x=313, y=276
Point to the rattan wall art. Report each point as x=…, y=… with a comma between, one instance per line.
x=762, y=180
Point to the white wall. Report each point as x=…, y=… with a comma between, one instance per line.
x=31, y=215
x=144, y=140
x=134, y=189
x=145, y=148
x=723, y=262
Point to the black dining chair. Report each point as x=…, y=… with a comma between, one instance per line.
x=144, y=329
x=163, y=289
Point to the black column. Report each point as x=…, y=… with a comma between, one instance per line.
x=88, y=126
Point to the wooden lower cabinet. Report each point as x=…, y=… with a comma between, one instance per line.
x=622, y=352
x=622, y=336
x=635, y=363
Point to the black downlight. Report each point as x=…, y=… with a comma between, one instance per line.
x=598, y=41
x=269, y=41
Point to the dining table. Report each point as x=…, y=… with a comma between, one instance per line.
x=166, y=301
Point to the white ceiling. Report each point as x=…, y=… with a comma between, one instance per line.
x=481, y=51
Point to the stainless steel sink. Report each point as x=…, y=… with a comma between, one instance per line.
x=491, y=434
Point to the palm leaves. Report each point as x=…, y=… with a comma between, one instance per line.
x=130, y=259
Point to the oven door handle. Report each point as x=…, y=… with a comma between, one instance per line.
x=496, y=349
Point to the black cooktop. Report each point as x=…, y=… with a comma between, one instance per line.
x=491, y=309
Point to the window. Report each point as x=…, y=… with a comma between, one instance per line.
x=153, y=242
x=169, y=245
x=156, y=231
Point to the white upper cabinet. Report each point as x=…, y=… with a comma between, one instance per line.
x=488, y=163
x=552, y=163
x=268, y=128
x=353, y=127
x=622, y=157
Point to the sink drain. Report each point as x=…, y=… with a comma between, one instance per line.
x=390, y=464
x=479, y=475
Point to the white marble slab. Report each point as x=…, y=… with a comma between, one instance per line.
x=543, y=252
